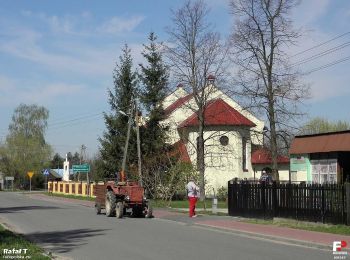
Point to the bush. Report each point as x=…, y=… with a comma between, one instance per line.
x=222, y=193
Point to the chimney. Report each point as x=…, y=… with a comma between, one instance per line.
x=211, y=79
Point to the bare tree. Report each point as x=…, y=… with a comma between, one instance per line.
x=261, y=35
x=195, y=52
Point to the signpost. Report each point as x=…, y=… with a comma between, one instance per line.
x=81, y=168
x=30, y=175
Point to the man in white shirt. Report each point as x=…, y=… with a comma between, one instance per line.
x=193, y=195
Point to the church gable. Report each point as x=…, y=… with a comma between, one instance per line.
x=218, y=113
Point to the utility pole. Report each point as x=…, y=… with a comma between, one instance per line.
x=138, y=122
x=122, y=174
x=82, y=160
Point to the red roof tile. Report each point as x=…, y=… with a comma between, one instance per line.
x=178, y=103
x=263, y=156
x=218, y=112
x=180, y=150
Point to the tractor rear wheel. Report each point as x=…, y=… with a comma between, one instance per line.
x=119, y=209
x=110, y=204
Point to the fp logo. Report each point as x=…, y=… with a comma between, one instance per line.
x=338, y=245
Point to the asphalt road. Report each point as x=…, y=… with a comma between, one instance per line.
x=76, y=232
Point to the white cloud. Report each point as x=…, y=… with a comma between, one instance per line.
x=118, y=25
x=325, y=85
x=14, y=91
x=49, y=92
x=88, y=60
x=309, y=11
x=80, y=24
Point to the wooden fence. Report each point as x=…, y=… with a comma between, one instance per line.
x=318, y=203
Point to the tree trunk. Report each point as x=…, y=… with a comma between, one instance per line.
x=200, y=156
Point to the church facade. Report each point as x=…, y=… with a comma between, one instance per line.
x=230, y=132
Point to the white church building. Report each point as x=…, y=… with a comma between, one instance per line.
x=229, y=133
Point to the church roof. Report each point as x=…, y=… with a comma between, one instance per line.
x=217, y=113
x=178, y=103
x=180, y=151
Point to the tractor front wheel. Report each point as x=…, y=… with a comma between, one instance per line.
x=119, y=209
x=110, y=204
x=149, y=210
x=98, y=208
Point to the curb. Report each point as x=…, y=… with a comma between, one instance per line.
x=274, y=239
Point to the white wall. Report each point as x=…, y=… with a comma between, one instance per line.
x=283, y=170
x=223, y=163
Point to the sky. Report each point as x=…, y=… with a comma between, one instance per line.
x=61, y=55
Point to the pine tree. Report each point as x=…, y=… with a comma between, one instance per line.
x=154, y=77
x=113, y=140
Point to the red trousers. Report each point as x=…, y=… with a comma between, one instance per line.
x=192, y=202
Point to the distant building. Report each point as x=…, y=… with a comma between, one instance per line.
x=321, y=158
x=262, y=160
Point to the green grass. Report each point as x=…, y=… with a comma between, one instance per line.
x=184, y=204
x=156, y=203
x=325, y=228
x=10, y=240
x=69, y=196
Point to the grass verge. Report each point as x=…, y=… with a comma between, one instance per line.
x=69, y=196
x=318, y=227
x=156, y=203
x=184, y=204
x=11, y=241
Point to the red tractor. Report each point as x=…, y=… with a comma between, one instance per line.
x=124, y=197
x=121, y=198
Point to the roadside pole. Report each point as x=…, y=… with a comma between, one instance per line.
x=30, y=175
x=122, y=175
x=88, y=184
x=137, y=121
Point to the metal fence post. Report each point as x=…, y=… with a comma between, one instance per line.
x=347, y=198
x=274, y=200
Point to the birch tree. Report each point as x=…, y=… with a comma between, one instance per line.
x=262, y=33
x=195, y=52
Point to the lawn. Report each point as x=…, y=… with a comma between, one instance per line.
x=11, y=242
x=184, y=204
x=70, y=196
x=156, y=203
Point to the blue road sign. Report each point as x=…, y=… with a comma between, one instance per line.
x=46, y=172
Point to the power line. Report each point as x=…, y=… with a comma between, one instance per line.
x=321, y=54
x=328, y=65
x=74, y=119
x=321, y=44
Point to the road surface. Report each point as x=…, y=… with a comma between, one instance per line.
x=74, y=231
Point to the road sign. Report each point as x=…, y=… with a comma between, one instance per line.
x=9, y=178
x=30, y=174
x=46, y=172
x=81, y=168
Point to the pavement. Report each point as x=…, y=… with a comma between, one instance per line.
x=233, y=224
